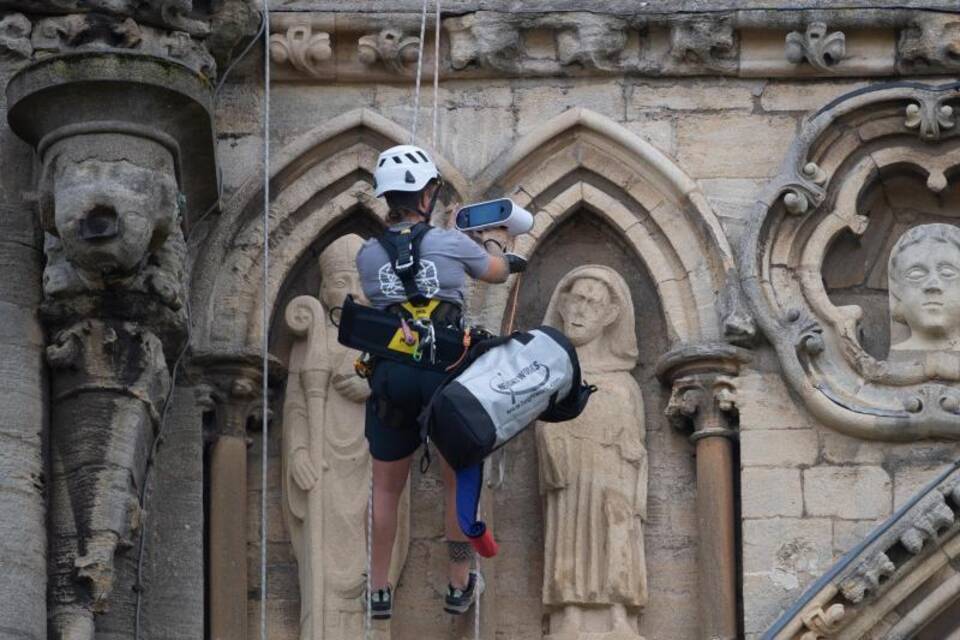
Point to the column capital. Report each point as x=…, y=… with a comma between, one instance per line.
x=233, y=381
x=703, y=394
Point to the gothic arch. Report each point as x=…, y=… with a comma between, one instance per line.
x=317, y=180
x=581, y=159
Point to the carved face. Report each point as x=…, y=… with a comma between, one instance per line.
x=337, y=284
x=926, y=288
x=587, y=309
x=111, y=214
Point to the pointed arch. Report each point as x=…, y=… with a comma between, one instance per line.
x=316, y=181
x=581, y=159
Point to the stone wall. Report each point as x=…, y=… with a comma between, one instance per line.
x=808, y=493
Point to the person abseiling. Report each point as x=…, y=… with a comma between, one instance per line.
x=417, y=271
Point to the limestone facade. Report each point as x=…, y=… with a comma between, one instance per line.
x=775, y=194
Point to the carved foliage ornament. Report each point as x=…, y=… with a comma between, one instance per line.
x=390, y=47
x=817, y=46
x=914, y=392
x=301, y=47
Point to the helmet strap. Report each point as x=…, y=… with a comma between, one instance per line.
x=433, y=201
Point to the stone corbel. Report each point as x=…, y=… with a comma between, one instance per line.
x=821, y=48
x=390, y=47
x=302, y=48
x=822, y=624
x=15, y=36
x=111, y=201
x=709, y=42
x=931, y=41
x=595, y=42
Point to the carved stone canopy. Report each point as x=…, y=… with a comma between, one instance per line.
x=866, y=169
x=122, y=94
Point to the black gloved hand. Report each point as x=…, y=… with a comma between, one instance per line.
x=515, y=263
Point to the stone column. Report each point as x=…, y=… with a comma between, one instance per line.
x=703, y=400
x=235, y=381
x=112, y=198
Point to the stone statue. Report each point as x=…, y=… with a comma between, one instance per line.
x=326, y=464
x=924, y=282
x=593, y=470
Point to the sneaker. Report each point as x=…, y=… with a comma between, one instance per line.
x=459, y=600
x=381, y=604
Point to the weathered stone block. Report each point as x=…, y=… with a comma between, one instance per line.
x=842, y=449
x=765, y=403
x=719, y=94
x=847, y=492
x=907, y=482
x=732, y=198
x=537, y=104
x=661, y=132
x=803, y=96
x=848, y=533
x=779, y=447
x=713, y=145
x=771, y=492
x=789, y=549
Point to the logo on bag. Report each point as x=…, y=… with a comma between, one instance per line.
x=527, y=381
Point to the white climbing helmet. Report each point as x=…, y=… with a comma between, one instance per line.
x=403, y=168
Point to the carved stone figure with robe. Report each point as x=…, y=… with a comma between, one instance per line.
x=326, y=464
x=593, y=470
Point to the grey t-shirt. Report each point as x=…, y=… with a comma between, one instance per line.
x=446, y=256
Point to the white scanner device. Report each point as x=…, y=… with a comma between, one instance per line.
x=495, y=213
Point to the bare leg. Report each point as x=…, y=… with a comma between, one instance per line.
x=459, y=571
x=389, y=479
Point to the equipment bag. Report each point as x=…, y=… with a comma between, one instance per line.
x=510, y=383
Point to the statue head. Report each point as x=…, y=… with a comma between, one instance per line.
x=338, y=271
x=112, y=199
x=924, y=282
x=592, y=304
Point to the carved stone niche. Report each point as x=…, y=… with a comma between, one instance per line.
x=869, y=187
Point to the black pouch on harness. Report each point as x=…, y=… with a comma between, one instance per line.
x=381, y=333
x=509, y=384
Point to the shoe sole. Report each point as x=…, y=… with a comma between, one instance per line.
x=463, y=609
x=381, y=616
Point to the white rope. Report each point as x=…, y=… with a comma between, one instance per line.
x=436, y=77
x=476, y=604
x=266, y=321
x=416, y=99
x=368, y=621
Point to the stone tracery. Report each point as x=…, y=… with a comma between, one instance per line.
x=852, y=146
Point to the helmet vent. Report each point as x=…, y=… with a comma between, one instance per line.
x=382, y=161
x=409, y=179
x=397, y=160
x=413, y=159
x=423, y=155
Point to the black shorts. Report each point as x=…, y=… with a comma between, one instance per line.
x=394, y=434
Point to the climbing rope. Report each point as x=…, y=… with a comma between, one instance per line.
x=265, y=322
x=368, y=618
x=416, y=96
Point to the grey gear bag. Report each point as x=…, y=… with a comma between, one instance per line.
x=509, y=383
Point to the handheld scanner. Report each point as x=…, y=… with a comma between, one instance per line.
x=495, y=213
